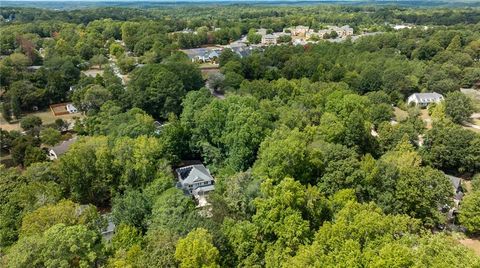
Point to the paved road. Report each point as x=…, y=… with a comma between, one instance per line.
x=116, y=70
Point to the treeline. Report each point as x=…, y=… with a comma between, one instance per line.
x=188, y=16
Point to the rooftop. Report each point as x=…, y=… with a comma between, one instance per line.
x=193, y=173
x=431, y=95
x=63, y=147
x=456, y=181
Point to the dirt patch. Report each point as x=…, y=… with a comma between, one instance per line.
x=208, y=65
x=471, y=243
x=9, y=127
x=59, y=109
x=474, y=96
x=93, y=72
x=426, y=118
x=467, y=185
x=472, y=129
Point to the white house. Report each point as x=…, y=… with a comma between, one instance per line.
x=424, y=99
x=402, y=26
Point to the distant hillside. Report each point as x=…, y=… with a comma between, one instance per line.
x=57, y=4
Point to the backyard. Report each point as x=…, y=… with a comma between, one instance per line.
x=46, y=116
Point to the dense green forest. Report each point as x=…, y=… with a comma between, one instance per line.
x=318, y=158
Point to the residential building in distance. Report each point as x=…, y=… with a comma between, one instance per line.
x=185, y=31
x=203, y=54
x=262, y=31
x=242, y=50
x=269, y=39
x=424, y=99
x=342, y=32
x=402, y=26
x=300, y=30
x=307, y=33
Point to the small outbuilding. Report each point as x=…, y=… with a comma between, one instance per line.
x=71, y=109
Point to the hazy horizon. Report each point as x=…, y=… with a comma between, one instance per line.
x=81, y=4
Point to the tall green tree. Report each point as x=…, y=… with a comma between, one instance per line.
x=469, y=213
x=65, y=212
x=449, y=146
x=31, y=124
x=133, y=208
x=59, y=246
x=50, y=136
x=197, y=250
x=86, y=171
x=157, y=90
x=458, y=107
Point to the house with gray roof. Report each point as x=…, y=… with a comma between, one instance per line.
x=424, y=99
x=457, y=190
x=241, y=49
x=56, y=151
x=202, y=54
x=195, y=180
x=109, y=229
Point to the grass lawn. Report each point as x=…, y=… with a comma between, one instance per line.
x=208, y=65
x=46, y=116
x=207, y=72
